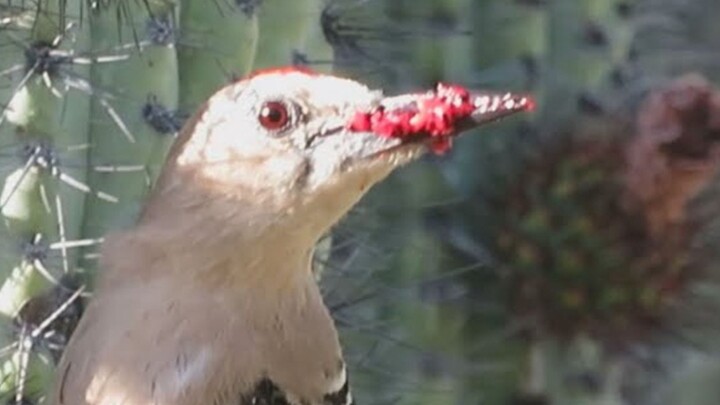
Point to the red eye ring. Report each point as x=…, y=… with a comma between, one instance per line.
x=274, y=115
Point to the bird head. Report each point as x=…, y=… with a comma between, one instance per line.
x=290, y=144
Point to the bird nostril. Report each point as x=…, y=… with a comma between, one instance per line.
x=274, y=115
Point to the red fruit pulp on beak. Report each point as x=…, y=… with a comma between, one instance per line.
x=437, y=115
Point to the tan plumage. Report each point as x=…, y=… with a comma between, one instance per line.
x=210, y=299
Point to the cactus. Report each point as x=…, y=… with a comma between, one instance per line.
x=551, y=204
x=217, y=44
x=126, y=146
x=44, y=118
x=290, y=34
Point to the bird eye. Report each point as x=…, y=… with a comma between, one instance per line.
x=274, y=115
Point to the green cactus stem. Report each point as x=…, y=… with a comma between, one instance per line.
x=45, y=117
x=290, y=34
x=218, y=43
x=135, y=88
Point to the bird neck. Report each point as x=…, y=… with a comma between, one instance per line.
x=220, y=241
x=252, y=300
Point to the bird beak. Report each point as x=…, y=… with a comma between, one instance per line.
x=436, y=117
x=382, y=133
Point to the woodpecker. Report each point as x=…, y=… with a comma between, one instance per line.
x=210, y=297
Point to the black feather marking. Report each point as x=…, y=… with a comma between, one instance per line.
x=265, y=393
x=339, y=397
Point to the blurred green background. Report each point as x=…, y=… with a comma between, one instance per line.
x=564, y=257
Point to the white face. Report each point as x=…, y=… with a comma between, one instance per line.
x=283, y=138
